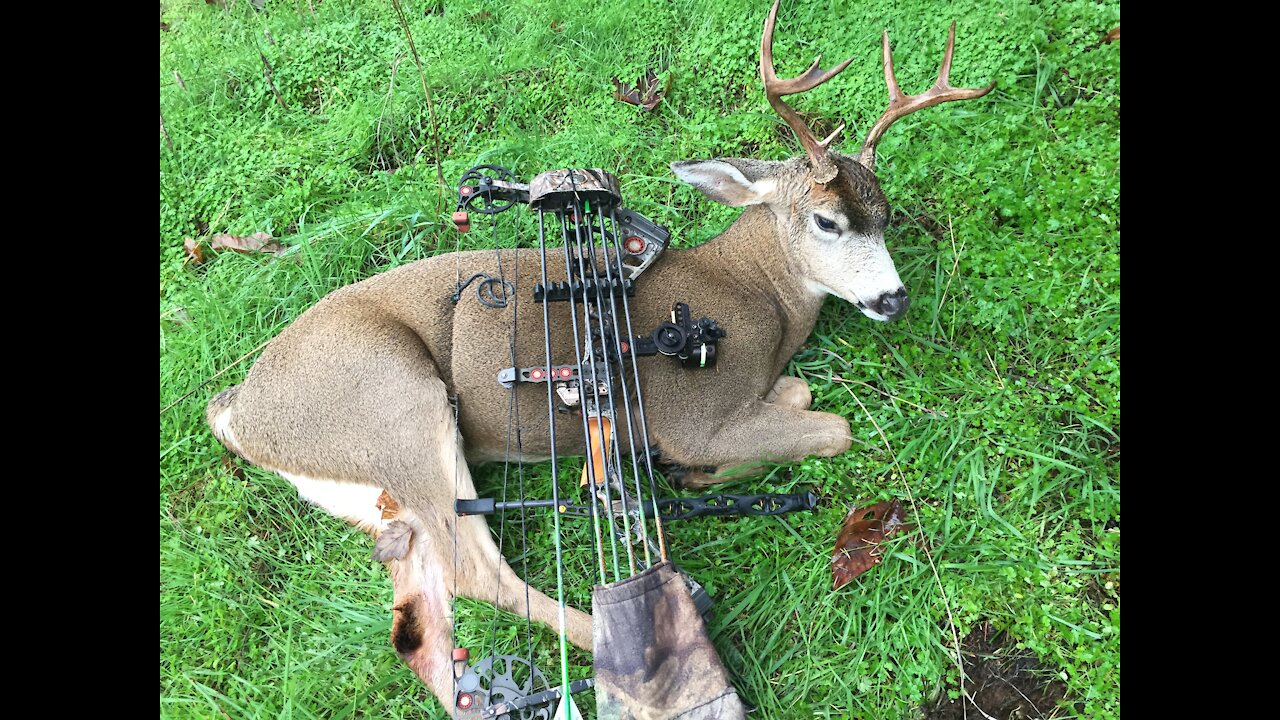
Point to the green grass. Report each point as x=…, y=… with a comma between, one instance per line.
x=998, y=395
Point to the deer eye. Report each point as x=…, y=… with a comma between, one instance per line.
x=825, y=223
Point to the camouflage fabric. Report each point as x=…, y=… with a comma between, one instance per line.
x=653, y=659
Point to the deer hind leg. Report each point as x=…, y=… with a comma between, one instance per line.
x=483, y=574
x=348, y=426
x=422, y=616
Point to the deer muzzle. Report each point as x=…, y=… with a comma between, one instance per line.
x=892, y=305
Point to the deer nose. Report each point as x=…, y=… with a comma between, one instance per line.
x=892, y=305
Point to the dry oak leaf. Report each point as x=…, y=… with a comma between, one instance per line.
x=645, y=94
x=861, y=540
x=257, y=242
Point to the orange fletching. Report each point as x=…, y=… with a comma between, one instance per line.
x=599, y=448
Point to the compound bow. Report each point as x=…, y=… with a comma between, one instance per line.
x=606, y=248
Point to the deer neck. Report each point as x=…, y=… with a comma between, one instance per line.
x=754, y=253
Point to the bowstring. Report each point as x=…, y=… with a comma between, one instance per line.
x=524, y=532
x=555, y=482
x=506, y=456
x=513, y=427
x=453, y=599
x=457, y=435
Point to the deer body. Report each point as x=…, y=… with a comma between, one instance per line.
x=351, y=402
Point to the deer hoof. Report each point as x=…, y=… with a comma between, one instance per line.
x=839, y=446
x=838, y=441
x=790, y=392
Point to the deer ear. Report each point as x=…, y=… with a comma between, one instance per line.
x=730, y=181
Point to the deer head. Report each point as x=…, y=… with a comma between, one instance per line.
x=830, y=212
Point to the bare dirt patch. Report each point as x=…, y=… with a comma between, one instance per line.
x=1004, y=682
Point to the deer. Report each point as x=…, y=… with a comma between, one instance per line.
x=351, y=403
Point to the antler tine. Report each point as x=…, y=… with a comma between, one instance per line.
x=775, y=88
x=901, y=105
x=890, y=77
x=944, y=75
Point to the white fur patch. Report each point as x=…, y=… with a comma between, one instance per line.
x=818, y=288
x=222, y=430
x=857, y=269
x=353, y=502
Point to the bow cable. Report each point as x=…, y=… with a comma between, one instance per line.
x=622, y=385
x=635, y=375
x=595, y=475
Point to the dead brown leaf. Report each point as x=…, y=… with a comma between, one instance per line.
x=387, y=504
x=557, y=26
x=646, y=94
x=232, y=467
x=195, y=251
x=1112, y=36
x=393, y=542
x=255, y=243
x=859, y=545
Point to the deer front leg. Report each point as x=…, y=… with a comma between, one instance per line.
x=787, y=392
x=790, y=392
x=764, y=432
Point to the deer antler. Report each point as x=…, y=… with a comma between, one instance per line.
x=774, y=88
x=902, y=105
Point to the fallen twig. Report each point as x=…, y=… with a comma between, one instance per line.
x=266, y=73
